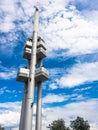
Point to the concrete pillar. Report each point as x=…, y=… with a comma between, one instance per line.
x=39, y=107
x=31, y=81
x=39, y=102
x=23, y=108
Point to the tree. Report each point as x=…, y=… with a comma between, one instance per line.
x=58, y=125
x=80, y=124
x=1, y=128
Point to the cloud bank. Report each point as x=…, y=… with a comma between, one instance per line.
x=67, y=112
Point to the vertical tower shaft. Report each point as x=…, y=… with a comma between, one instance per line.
x=31, y=80
x=34, y=49
x=24, y=103
x=39, y=102
x=39, y=107
x=23, y=108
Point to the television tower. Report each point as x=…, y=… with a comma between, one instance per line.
x=33, y=75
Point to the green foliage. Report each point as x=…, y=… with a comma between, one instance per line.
x=80, y=124
x=58, y=125
x=1, y=128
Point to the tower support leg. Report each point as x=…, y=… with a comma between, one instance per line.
x=39, y=107
x=23, y=108
x=31, y=80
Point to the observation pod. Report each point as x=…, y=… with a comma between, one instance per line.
x=22, y=75
x=28, y=43
x=41, y=53
x=40, y=43
x=41, y=74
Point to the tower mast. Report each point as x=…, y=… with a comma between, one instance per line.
x=31, y=80
x=34, y=52
x=28, y=99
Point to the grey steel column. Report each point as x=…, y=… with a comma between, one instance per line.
x=24, y=103
x=39, y=102
x=23, y=108
x=31, y=81
x=39, y=107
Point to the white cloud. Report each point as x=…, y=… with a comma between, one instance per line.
x=53, y=98
x=15, y=11
x=61, y=27
x=9, y=113
x=78, y=97
x=78, y=35
x=79, y=74
x=15, y=18
x=86, y=109
x=6, y=72
x=7, y=7
x=83, y=89
x=53, y=86
x=2, y=90
x=9, y=74
x=6, y=90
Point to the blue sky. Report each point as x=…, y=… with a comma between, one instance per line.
x=70, y=30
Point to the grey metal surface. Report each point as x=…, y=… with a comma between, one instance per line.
x=39, y=101
x=34, y=54
x=41, y=53
x=39, y=107
x=31, y=81
x=23, y=108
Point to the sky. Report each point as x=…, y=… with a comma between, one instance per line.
x=70, y=31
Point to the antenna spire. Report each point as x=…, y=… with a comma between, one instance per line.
x=37, y=4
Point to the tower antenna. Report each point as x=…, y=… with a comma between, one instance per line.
x=33, y=75
x=37, y=3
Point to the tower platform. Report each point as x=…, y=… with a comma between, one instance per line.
x=41, y=74
x=41, y=53
x=40, y=43
x=22, y=75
